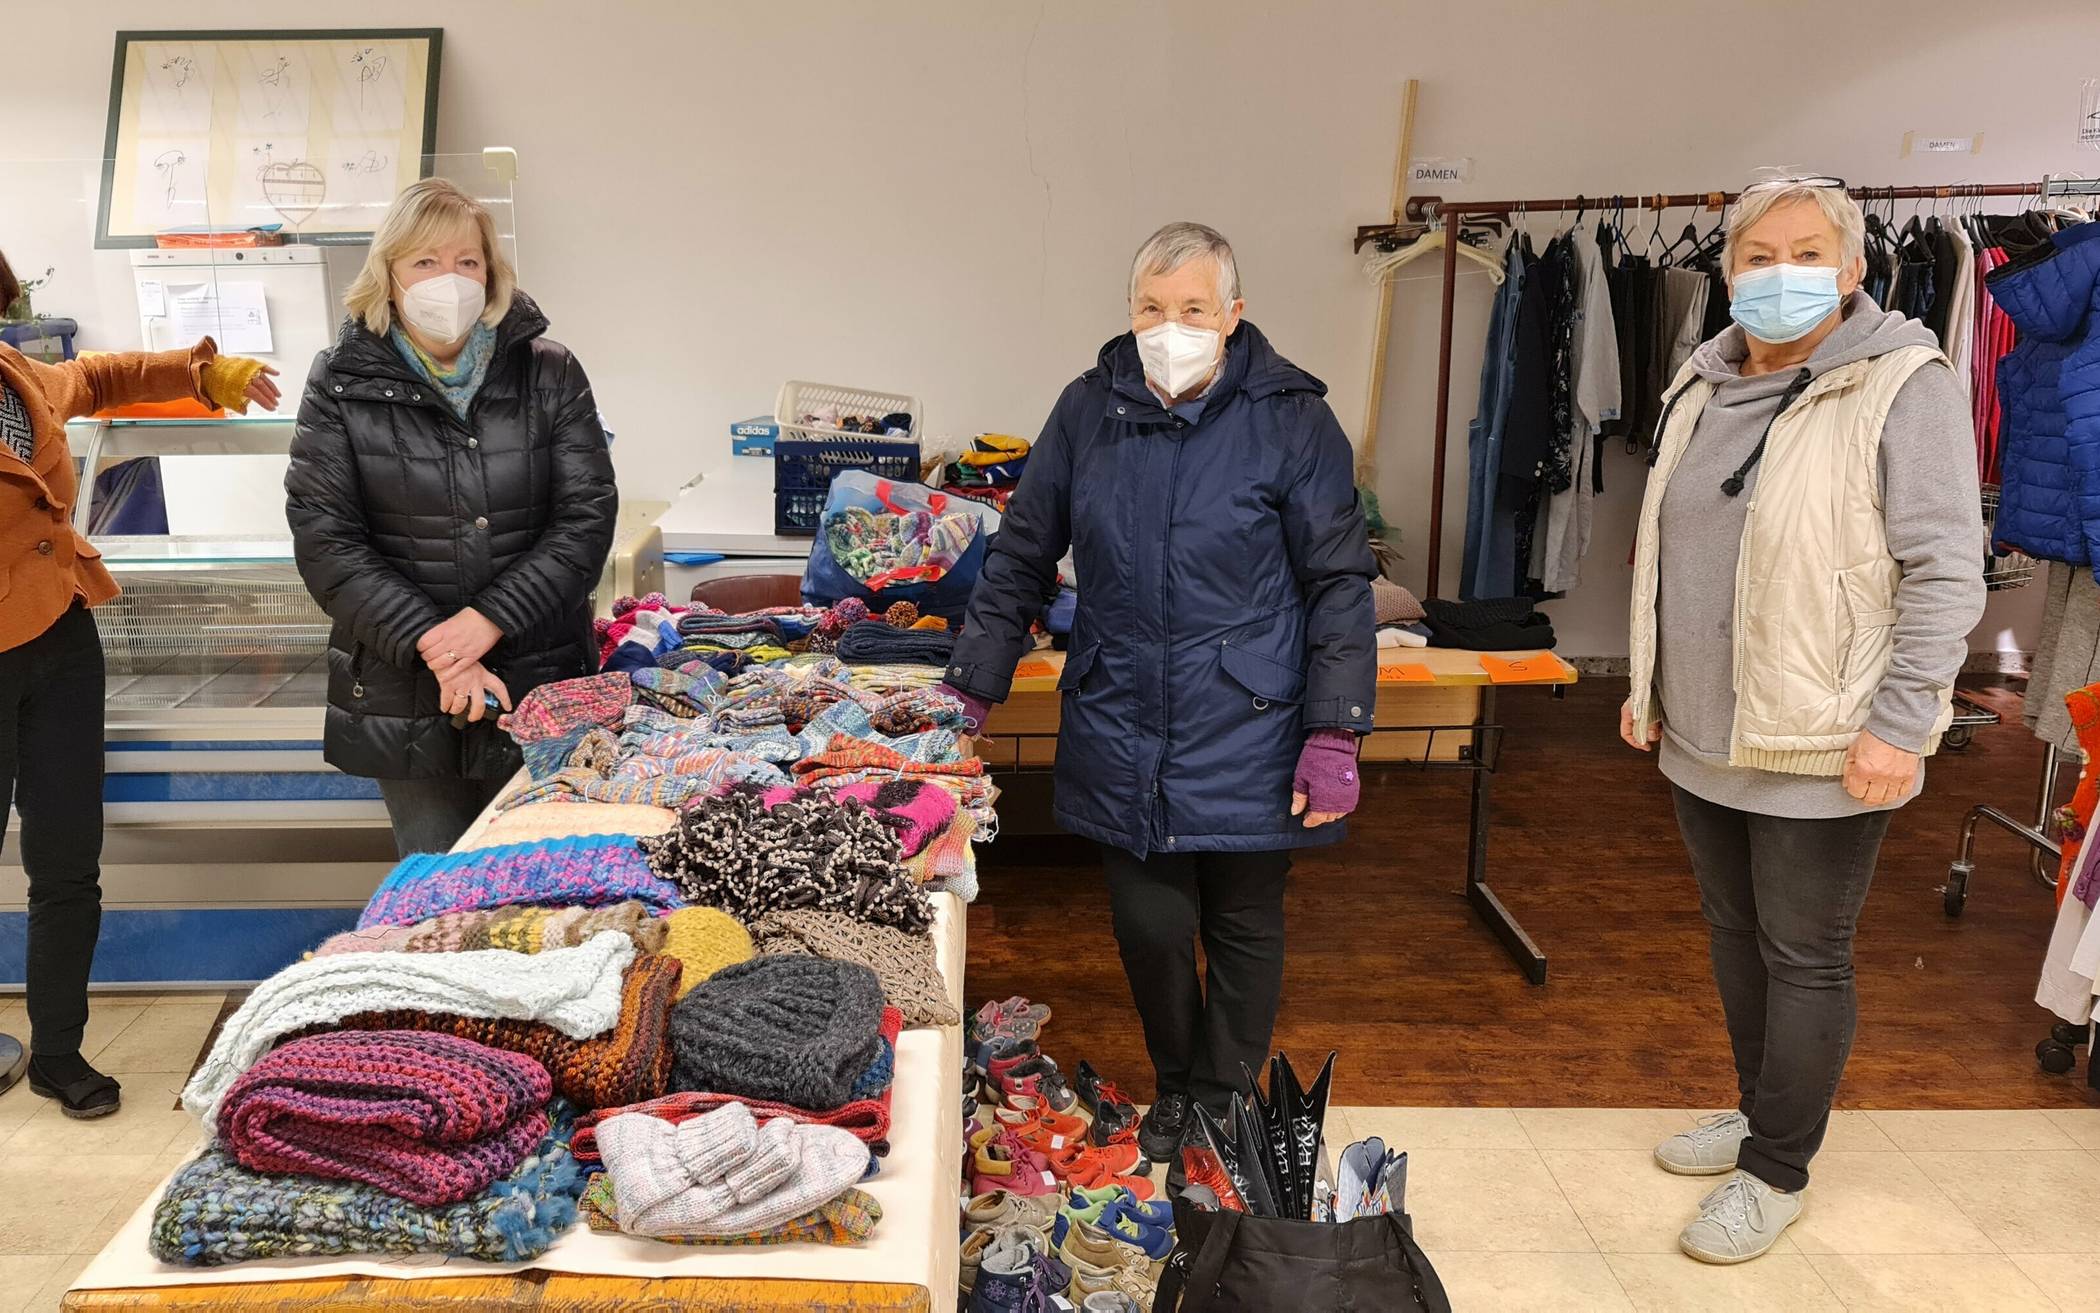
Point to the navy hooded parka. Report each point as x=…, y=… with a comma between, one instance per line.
x=1223, y=572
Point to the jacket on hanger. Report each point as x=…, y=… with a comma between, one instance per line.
x=2050, y=388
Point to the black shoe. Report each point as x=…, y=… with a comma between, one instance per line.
x=84, y=1093
x=1159, y=1134
x=1113, y=1115
x=14, y=1060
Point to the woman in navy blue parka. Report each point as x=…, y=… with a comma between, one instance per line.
x=1223, y=659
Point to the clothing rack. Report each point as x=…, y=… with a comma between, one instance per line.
x=1452, y=215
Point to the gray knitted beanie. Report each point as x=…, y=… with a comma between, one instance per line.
x=794, y=1030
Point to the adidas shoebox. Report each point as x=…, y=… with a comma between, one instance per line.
x=754, y=436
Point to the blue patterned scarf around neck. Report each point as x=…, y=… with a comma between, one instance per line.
x=463, y=380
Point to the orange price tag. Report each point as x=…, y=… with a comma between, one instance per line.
x=1521, y=670
x=1407, y=674
x=1035, y=670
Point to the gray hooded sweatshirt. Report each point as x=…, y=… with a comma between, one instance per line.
x=1935, y=529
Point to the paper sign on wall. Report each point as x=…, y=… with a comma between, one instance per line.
x=231, y=311
x=1433, y=170
x=153, y=298
x=1924, y=145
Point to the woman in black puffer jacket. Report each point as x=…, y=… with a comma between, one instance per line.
x=452, y=502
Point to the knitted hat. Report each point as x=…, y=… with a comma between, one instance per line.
x=706, y=941
x=847, y=1220
x=723, y=1173
x=905, y=964
x=1393, y=604
x=794, y=1029
x=430, y=1118
x=216, y=1211
x=629, y=1063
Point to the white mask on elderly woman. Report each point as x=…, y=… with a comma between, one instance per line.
x=444, y=307
x=1177, y=357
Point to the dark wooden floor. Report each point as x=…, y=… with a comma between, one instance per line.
x=1388, y=965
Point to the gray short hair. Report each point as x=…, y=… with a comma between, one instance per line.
x=1779, y=187
x=1178, y=243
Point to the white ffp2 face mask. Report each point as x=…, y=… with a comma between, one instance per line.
x=444, y=307
x=1176, y=356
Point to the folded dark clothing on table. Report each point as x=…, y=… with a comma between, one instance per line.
x=1506, y=624
x=874, y=643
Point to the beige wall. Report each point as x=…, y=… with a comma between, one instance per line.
x=942, y=198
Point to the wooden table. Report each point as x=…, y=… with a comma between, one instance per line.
x=1435, y=709
x=918, y=1182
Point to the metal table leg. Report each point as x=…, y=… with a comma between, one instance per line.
x=1519, y=946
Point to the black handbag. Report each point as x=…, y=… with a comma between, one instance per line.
x=1246, y=1264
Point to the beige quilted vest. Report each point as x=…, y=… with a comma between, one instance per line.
x=1815, y=586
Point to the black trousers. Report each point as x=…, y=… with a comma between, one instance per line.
x=51, y=692
x=428, y=816
x=1781, y=898
x=1198, y=1035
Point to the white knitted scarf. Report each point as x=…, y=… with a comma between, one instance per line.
x=575, y=990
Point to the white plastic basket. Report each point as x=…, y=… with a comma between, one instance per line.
x=798, y=398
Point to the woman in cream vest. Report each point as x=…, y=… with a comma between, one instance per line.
x=1808, y=569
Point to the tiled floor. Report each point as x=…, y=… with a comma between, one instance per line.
x=66, y=1186
x=1563, y=1208
x=1532, y=1209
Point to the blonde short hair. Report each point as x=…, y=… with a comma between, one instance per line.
x=1778, y=187
x=424, y=214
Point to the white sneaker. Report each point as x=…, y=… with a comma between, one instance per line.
x=1739, y=1221
x=1708, y=1149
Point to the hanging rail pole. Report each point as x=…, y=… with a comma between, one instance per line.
x=1443, y=405
x=1425, y=209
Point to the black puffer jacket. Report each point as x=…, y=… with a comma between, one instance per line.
x=402, y=514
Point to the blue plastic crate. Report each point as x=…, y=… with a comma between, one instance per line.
x=803, y=469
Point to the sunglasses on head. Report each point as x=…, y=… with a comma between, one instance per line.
x=1775, y=184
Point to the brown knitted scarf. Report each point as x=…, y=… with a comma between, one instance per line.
x=627, y=1064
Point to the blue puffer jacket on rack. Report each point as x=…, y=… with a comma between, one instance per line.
x=2049, y=504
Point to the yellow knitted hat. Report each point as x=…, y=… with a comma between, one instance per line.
x=705, y=940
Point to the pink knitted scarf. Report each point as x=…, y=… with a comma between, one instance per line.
x=426, y=1117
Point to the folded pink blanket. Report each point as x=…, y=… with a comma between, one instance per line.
x=430, y=1118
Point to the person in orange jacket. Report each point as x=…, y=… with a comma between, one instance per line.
x=51, y=685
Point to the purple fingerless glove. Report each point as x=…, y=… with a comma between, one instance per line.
x=975, y=710
x=1327, y=774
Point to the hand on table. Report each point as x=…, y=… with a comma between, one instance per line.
x=1877, y=773
x=461, y=641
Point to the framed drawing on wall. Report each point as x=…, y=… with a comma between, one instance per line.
x=308, y=132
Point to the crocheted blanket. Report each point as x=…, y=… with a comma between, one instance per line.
x=587, y=872
x=430, y=1118
x=629, y=1063
x=519, y=929
x=216, y=1211
x=847, y=1220
x=576, y=991
x=732, y=852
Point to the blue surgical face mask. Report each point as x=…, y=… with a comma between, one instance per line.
x=1782, y=302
